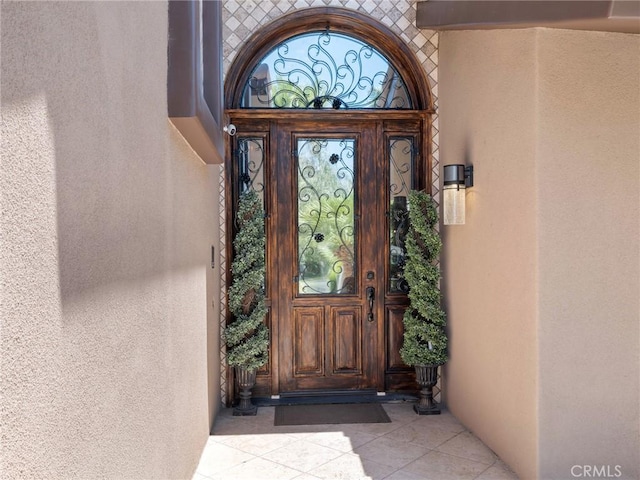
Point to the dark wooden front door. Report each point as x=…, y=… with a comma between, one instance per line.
x=330, y=242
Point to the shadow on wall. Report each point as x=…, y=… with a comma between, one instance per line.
x=120, y=214
x=110, y=223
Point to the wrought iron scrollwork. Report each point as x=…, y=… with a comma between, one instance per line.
x=250, y=154
x=325, y=70
x=401, y=158
x=326, y=231
x=399, y=228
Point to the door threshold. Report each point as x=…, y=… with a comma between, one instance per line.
x=317, y=398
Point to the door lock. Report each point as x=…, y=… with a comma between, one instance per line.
x=370, y=275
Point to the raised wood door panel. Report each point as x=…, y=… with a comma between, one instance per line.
x=397, y=375
x=345, y=340
x=308, y=341
x=327, y=345
x=393, y=338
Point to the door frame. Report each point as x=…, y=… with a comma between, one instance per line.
x=393, y=375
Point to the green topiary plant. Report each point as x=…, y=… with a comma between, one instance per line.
x=247, y=337
x=425, y=340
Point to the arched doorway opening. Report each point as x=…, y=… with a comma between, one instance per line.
x=333, y=118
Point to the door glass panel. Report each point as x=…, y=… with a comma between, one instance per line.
x=400, y=181
x=326, y=219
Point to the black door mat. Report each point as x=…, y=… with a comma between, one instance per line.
x=330, y=414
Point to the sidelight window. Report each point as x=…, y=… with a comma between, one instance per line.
x=401, y=151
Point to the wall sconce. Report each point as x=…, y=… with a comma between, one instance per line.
x=457, y=178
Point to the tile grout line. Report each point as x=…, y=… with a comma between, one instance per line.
x=226, y=468
x=466, y=458
x=413, y=461
x=293, y=468
x=495, y=456
x=484, y=471
x=450, y=455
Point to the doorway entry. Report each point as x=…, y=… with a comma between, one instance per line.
x=332, y=132
x=330, y=266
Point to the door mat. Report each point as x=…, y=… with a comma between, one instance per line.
x=334, y=413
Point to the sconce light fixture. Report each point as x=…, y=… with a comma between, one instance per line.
x=457, y=178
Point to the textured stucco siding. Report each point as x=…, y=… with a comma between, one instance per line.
x=542, y=283
x=487, y=103
x=107, y=221
x=588, y=165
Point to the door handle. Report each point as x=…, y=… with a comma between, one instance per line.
x=371, y=296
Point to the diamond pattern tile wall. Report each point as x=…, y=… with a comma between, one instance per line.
x=222, y=268
x=241, y=18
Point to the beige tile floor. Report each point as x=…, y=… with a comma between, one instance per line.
x=411, y=447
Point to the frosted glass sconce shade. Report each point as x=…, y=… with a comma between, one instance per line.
x=454, y=205
x=456, y=180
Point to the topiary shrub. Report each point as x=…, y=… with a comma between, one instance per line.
x=425, y=339
x=247, y=337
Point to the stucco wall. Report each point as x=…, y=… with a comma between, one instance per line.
x=542, y=282
x=108, y=218
x=487, y=105
x=588, y=168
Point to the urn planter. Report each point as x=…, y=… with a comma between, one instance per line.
x=246, y=379
x=427, y=377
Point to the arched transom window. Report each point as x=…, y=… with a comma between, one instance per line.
x=325, y=70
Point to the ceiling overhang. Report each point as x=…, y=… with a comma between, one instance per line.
x=601, y=15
